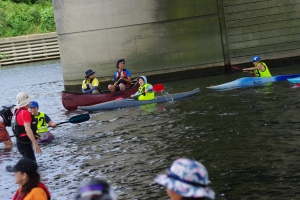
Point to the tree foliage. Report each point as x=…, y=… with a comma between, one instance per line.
x=24, y=17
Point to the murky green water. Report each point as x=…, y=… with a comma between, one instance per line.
x=247, y=138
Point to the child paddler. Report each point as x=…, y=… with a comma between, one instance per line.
x=43, y=121
x=145, y=91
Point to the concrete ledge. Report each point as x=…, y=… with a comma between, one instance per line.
x=29, y=48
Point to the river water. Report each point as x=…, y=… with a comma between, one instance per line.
x=247, y=138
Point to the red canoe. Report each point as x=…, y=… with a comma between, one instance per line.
x=71, y=100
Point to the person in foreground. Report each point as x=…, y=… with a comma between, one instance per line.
x=186, y=179
x=95, y=189
x=5, y=120
x=260, y=68
x=145, y=90
x=26, y=175
x=90, y=85
x=43, y=121
x=122, y=78
x=24, y=128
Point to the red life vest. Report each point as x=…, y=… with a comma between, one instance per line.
x=119, y=74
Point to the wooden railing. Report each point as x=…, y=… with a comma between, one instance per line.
x=29, y=48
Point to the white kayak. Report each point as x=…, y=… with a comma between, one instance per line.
x=252, y=82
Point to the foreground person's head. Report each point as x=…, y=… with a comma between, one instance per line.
x=25, y=172
x=23, y=100
x=95, y=189
x=186, y=179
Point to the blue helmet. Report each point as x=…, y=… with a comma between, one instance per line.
x=255, y=58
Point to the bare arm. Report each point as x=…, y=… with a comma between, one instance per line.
x=52, y=124
x=29, y=132
x=259, y=66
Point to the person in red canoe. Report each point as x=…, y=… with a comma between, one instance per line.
x=122, y=78
x=145, y=91
x=90, y=85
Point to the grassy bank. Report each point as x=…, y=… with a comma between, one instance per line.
x=24, y=17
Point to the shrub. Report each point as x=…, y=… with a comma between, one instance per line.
x=22, y=19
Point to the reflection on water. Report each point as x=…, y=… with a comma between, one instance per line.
x=247, y=138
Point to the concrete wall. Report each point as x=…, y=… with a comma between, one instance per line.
x=154, y=36
x=267, y=28
x=169, y=37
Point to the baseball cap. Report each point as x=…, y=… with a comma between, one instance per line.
x=34, y=104
x=24, y=165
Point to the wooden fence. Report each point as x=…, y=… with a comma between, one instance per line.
x=29, y=48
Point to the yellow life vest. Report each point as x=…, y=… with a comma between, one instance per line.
x=89, y=84
x=42, y=126
x=148, y=96
x=262, y=74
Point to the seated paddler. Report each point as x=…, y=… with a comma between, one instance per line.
x=145, y=91
x=122, y=78
x=43, y=121
x=90, y=85
x=260, y=69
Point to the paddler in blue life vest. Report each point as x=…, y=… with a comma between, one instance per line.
x=260, y=69
x=145, y=90
x=90, y=85
x=43, y=121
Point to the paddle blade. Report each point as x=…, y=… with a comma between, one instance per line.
x=76, y=119
x=158, y=87
x=79, y=118
x=296, y=85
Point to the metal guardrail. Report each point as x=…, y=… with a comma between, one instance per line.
x=30, y=48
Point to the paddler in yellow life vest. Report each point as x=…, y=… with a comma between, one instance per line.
x=90, y=85
x=260, y=69
x=43, y=122
x=145, y=90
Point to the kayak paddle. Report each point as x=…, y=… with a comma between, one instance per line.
x=236, y=68
x=157, y=88
x=241, y=69
x=73, y=120
x=76, y=119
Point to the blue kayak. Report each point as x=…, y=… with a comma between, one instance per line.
x=252, y=82
x=294, y=80
x=115, y=104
